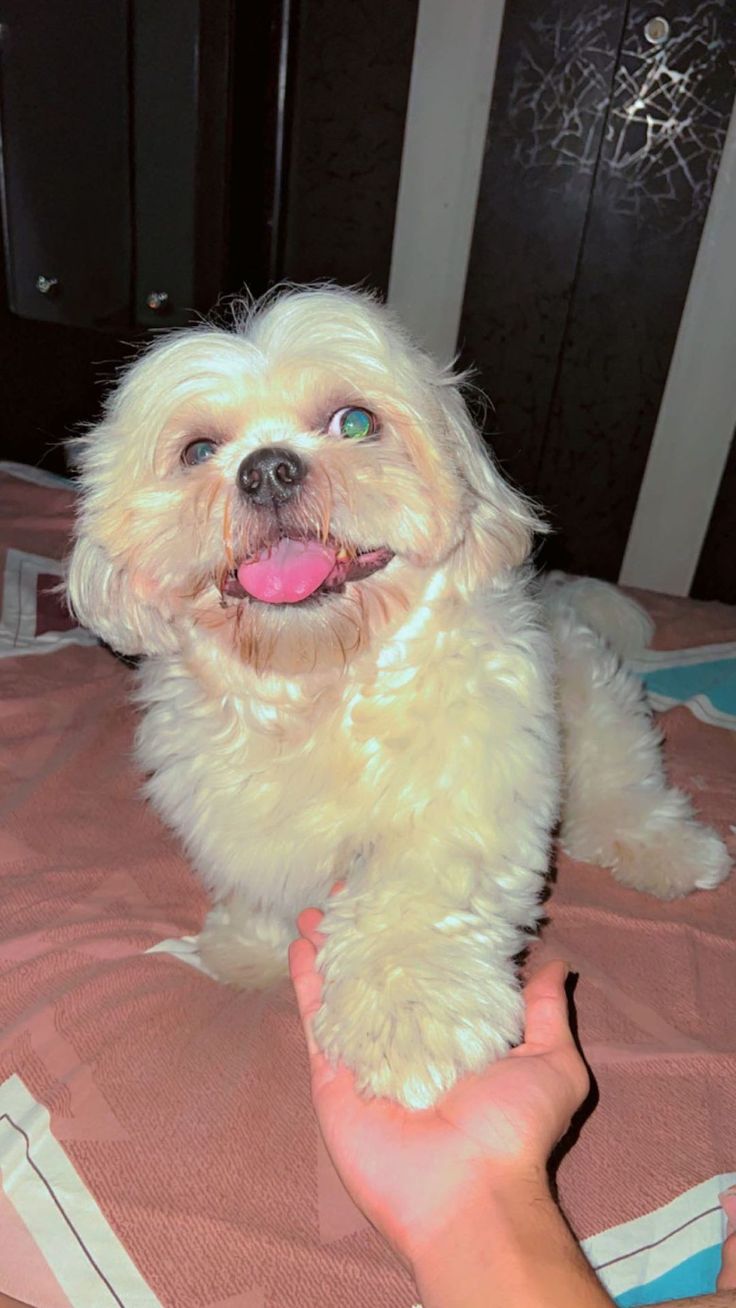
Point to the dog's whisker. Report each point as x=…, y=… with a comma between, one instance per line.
x=198, y=587
x=227, y=535
x=327, y=509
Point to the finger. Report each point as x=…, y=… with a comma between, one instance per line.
x=307, y=984
x=308, y=923
x=309, y=919
x=546, y=1023
x=727, y=1200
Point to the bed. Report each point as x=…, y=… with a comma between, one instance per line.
x=157, y=1144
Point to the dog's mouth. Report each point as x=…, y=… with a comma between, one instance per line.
x=295, y=569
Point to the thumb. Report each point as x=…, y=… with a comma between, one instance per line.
x=727, y=1275
x=307, y=984
x=546, y=1024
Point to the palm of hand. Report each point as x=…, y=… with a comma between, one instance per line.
x=406, y=1169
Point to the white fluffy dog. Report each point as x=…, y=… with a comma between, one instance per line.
x=351, y=676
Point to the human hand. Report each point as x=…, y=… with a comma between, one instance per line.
x=408, y=1170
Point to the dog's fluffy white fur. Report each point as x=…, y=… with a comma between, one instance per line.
x=402, y=733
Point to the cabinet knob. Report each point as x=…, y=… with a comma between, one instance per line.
x=657, y=30
x=158, y=301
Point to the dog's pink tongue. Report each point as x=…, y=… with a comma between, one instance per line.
x=287, y=572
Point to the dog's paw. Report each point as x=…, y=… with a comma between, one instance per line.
x=673, y=862
x=411, y=1041
x=241, y=949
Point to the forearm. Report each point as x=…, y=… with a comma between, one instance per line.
x=515, y=1251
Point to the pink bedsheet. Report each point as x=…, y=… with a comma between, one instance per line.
x=157, y=1142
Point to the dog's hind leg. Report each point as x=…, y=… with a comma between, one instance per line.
x=618, y=808
x=242, y=947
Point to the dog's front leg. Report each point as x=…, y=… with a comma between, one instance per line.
x=420, y=983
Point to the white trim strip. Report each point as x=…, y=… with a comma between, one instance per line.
x=700, y=707
x=19, y=605
x=38, y=476
x=697, y=415
x=682, y=658
x=637, y=1252
x=79, y=1245
x=452, y=77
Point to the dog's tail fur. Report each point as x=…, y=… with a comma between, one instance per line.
x=625, y=627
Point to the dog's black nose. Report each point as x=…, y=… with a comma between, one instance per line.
x=271, y=475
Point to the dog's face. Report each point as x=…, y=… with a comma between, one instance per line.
x=282, y=492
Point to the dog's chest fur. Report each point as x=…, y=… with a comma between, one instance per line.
x=280, y=791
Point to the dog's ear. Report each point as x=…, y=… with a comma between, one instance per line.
x=501, y=522
x=101, y=596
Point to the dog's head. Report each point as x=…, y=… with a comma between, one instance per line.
x=282, y=491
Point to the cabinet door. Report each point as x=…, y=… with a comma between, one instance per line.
x=605, y=135
x=115, y=124
x=66, y=161
x=117, y=127
x=554, y=77
x=665, y=128
x=350, y=66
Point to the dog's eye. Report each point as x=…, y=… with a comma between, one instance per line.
x=353, y=424
x=198, y=452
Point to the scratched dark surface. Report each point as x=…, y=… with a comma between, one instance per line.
x=602, y=151
x=352, y=65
